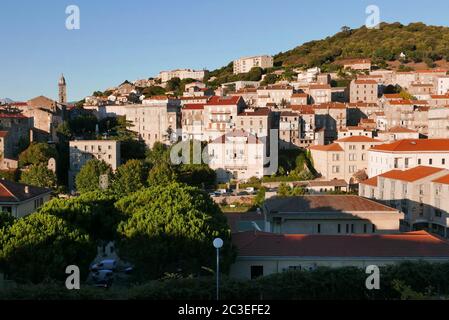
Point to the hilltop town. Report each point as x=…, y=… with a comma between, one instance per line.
x=298, y=167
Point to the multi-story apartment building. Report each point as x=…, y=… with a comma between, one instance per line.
x=397, y=133
x=299, y=99
x=439, y=100
x=156, y=122
x=365, y=91
x=442, y=85
x=429, y=76
x=331, y=117
x=307, y=124
x=166, y=76
x=422, y=91
x=439, y=122
x=354, y=131
x=245, y=64
x=290, y=130
x=280, y=95
x=220, y=115
x=18, y=127
x=257, y=122
x=192, y=122
x=417, y=192
x=320, y=93
x=82, y=151
x=399, y=113
x=344, y=158
x=409, y=153
x=405, y=79
x=357, y=64
x=238, y=155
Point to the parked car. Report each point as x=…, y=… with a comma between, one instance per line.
x=243, y=193
x=109, y=264
x=103, y=278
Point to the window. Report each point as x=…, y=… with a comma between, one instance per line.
x=364, y=228
x=256, y=272
x=430, y=161
x=419, y=161
x=319, y=228
x=443, y=161
x=339, y=228
x=373, y=229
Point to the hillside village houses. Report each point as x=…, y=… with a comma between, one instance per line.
x=391, y=148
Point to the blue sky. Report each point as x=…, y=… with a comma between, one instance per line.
x=135, y=39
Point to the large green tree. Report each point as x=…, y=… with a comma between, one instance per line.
x=88, y=179
x=40, y=247
x=40, y=176
x=93, y=213
x=130, y=177
x=171, y=229
x=37, y=153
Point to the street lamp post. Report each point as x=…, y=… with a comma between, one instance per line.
x=218, y=243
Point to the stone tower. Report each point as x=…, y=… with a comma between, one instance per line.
x=62, y=90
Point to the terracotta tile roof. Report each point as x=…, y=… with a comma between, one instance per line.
x=358, y=139
x=418, y=244
x=399, y=129
x=237, y=133
x=195, y=98
x=401, y=102
x=411, y=175
x=3, y=134
x=223, y=101
x=300, y=95
x=442, y=180
x=256, y=112
x=303, y=109
x=15, y=192
x=330, y=183
x=432, y=71
x=12, y=115
x=440, y=96
x=192, y=106
x=324, y=203
x=363, y=105
x=328, y=147
x=276, y=87
x=319, y=86
x=392, y=96
x=333, y=105
x=372, y=82
x=370, y=182
x=415, y=145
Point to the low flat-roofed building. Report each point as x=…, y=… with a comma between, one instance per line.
x=261, y=254
x=329, y=214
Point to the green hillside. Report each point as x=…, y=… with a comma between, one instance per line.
x=419, y=42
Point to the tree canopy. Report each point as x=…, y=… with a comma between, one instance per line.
x=41, y=246
x=37, y=153
x=88, y=179
x=171, y=229
x=40, y=176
